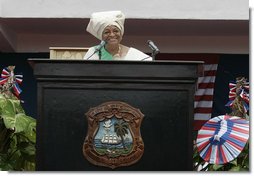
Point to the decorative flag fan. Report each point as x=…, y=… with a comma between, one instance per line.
x=8, y=76
x=222, y=138
x=241, y=90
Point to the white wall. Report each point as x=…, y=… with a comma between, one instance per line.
x=157, y=9
x=26, y=25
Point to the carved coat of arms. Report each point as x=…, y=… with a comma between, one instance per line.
x=113, y=137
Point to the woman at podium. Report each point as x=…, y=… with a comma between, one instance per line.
x=108, y=27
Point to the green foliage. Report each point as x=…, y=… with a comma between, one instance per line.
x=17, y=136
x=121, y=129
x=241, y=163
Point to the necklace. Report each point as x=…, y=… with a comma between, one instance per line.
x=118, y=54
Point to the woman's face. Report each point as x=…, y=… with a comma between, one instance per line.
x=112, y=35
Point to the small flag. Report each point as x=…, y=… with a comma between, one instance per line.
x=8, y=75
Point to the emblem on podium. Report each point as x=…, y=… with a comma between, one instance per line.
x=113, y=136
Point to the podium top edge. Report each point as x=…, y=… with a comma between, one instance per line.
x=40, y=60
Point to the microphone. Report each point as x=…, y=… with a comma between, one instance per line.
x=101, y=45
x=153, y=47
x=98, y=49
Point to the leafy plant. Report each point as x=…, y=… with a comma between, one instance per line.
x=17, y=134
x=121, y=129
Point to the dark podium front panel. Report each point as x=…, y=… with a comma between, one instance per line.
x=162, y=91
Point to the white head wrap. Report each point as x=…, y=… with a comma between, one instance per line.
x=100, y=20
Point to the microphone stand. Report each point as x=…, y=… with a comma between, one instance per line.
x=154, y=52
x=98, y=49
x=91, y=55
x=99, y=54
x=94, y=53
x=153, y=55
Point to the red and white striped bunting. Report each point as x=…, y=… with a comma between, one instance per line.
x=204, y=94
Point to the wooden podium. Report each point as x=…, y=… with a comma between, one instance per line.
x=162, y=90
